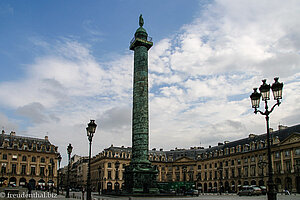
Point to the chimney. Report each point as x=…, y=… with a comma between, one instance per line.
x=46, y=137
x=3, y=131
x=220, y=143
x=271, y=130
x=161, y=149
x=12, y=133
x=154, y=149
x=281, y=127
x=251, y=135
x=209, y=146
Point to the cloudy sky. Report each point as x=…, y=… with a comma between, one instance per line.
x=66, y=62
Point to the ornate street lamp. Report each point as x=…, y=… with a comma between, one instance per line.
x=91, y=129
x=57, y=187
x=255, y=100
x=261, y=165
x=69, y=150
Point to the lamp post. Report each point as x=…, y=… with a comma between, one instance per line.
x=46, y=184
x=261, y=165
x=91, y=129
x=99, y=179
x=220, y=178
x=69, y=150
x=117, y=165
x=52, y=173
x=255, y=100
x=58, y=183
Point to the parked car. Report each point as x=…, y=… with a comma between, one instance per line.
x=249, y=191
x=263, y=190
x=192, y=192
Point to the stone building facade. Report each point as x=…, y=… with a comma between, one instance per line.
x=26, y=160
x=224, y=167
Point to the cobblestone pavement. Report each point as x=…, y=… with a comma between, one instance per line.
x=205, y=197
x=95, y=196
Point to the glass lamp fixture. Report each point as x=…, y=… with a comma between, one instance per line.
x=255, y=98
x=265, y=90
x=277, y=89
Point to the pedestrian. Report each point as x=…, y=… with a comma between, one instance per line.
x=83, y=193
x=29, y=188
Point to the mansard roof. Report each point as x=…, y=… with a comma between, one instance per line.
x=281, y=134
x=12, y=140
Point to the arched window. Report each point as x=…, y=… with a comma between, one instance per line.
x=24, y=158
x=33, y=159
x=42, y=159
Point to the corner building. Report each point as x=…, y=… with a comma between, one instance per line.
x=26, y=160
x=224, y=167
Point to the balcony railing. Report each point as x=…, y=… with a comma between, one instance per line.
x=149, y=39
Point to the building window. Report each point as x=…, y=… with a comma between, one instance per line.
x=252, y=159
x=226, y=163
x=216, y=165
x=246, y=160
x=199, y=167
x=3, y=169
x=14, y=157
x=288, y=166
x=278, y=167
x=42, y=171
x=13, y=168
x=232, y=162
x=32, y=172
x=109, y=165
x=199, y=176
x=24, y=158
x=109, y=175
x=216, y=174
x=23, y=171
x=205, y=166
x=42, y=160
x=252, y=170
x=232, y=173
x=246, y=171
x=297, y=151
x=205, y=176
x=4, y=156
x=33, y=159
x=277, y=154
x=287, y=153
x=239, y=172
x=226, y=173
x=177, y=177
x=210, y=175
x=209, y=165
x=239, y=161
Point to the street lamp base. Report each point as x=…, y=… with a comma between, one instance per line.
x=272, y=194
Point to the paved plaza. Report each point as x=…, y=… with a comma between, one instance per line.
x=95, y=196
x=201, y=197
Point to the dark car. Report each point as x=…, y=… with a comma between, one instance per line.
x=250, y=191
x=192, y=192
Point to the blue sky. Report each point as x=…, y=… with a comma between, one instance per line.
x=65, y=62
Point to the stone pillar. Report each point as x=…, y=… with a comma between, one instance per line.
x=140, y=176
